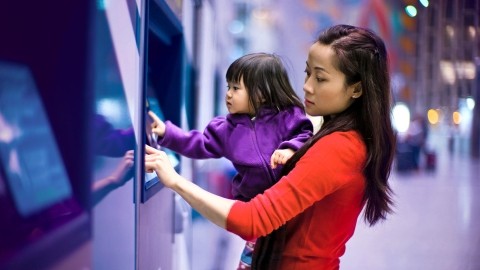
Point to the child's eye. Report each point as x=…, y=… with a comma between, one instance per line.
x=320, y=79
x=235, y=88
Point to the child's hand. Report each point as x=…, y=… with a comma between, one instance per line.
x=280, y=157
x=158, y=126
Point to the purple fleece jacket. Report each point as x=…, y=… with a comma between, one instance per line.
x=247, y=143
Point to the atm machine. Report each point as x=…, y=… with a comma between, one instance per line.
x=75, y=81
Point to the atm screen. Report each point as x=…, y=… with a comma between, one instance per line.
x=36, y=195
x=34, y=170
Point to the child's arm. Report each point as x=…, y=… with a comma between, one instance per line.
x=298, y=129
x=158, y=126
x=193, y=143
x=280, y=157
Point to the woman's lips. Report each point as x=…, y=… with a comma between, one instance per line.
x=307, y=102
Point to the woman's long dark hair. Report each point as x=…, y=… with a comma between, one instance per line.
x=265, y=78
x=362, y=57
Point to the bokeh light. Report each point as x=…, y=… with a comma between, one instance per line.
x=457, y=118
x=401, y=117
x=433, y=116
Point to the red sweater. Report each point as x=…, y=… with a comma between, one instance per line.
x=322, y=197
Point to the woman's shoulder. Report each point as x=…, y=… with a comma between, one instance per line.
x=338, y=151
x=351, y=137
x=342, y=143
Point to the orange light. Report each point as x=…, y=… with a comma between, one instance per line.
x=433, y=116
x=457, y=118
x=408, y=22
x=407, y=44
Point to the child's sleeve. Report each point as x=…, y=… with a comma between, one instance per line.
x=196, y=144
x=298, y=130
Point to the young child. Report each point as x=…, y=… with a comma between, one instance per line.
x=266, y=124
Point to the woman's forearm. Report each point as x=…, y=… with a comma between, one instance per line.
x=209, y=205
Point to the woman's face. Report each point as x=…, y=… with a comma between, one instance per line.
x=325, y=89
x=237, y=99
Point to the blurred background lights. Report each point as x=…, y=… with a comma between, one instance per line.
x=236, y=27
x=457, y=118
x=467, y=69
x=447, y=71
x=7, y=133
x=401, y=117
x=102, y=4
x=461, y=70
x=424, y=3
x=470, y=103
x=411, y=11
x=471, y=31
x=433, y=116
x=450, y=31
x=111, y=109
x=261, y=13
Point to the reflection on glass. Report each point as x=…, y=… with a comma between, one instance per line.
x=113, y=138
x=115, y=157
x=35, y=191
x=27, y=148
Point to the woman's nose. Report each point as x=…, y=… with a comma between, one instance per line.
x=307, y=88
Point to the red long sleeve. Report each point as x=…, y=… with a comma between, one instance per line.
x=323, y=195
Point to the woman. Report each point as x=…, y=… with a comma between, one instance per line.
x=305, y=220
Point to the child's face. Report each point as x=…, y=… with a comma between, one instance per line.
x=237, y=99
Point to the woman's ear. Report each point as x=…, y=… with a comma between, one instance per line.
x=357, y=90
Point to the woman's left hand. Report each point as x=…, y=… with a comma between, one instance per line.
x=158, y=161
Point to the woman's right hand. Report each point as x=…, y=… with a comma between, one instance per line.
x=157, y=161
x=211, y=206
x=158, y=126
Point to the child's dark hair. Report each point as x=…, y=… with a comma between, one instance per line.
x=266, y=81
